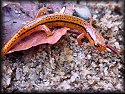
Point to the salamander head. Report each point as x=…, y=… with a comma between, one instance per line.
x=94, y=37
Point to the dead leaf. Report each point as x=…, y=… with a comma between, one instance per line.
x=38, y=38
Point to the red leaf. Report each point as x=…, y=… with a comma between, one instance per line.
x=38, y=38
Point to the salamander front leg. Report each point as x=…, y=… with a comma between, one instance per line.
x=80, y=37
x=41, y=12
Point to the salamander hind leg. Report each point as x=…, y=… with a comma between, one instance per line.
x=80, y=38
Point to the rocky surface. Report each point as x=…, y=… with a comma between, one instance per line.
x=65, y=66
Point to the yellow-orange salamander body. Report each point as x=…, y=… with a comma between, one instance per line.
x=58, y=19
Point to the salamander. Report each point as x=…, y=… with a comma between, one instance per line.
x=59, y=19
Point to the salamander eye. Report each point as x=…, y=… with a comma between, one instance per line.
x=96, y=45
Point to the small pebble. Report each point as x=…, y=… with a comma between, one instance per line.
x=91, y=81
x=18, y=73
x=8, y=81
x=25, y=69
x=67, y=51
x=64, y=85
x=70, y=58
x=106, y=71
x=46, y=83
x=89, y=56
x=117, y=45
x=33, y=76
x=75, y=54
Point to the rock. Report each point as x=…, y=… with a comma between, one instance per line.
x=93, y=64
x=118, y=86
x=62, y=58
x=64, y=85
x=8, y=81
x=25, y=69
x=75, y=54
x=81, y=56
x=120, y=66
x=91, y=81
x=67, y=51
x=115, y=28
x=72, y=79
x=52, y=62
x=56, y=79
x=83, y=12
x=105, y=60
x=89, y=56
x=33, y=76
x=95, y=16
x=46, y=83
x=89, y=76
x=38, y=69
x=109, y=86
x=109, y=24
x=74, y=76
x=18, y=73
x=117, y=45
x=106, y=71
x=70, y=58
x=9, y=71
x=62, y=73
x=24, y=84
x=96, y=78
x=85, y=72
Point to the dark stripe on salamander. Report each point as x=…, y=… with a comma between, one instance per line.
x=55, y=21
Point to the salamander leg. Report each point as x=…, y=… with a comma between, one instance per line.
x=80, y=37
x=46, y=29
x=41, y=12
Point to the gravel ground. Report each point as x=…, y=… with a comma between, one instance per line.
x=65, y=66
